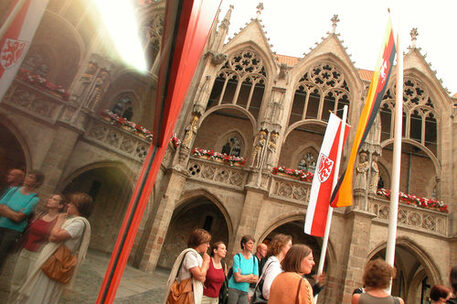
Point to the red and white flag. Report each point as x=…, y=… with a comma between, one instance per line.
x=17, y=38
x=321, y=189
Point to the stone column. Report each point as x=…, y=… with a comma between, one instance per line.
x=161, y=221
x=249, y=216
x=57, y=157
x=354, y=252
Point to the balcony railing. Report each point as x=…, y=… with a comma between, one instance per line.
x=217, y=173
x=34, y=101
x=410, y=216
x=117, y=140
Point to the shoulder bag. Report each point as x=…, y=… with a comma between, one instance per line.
x=181, y=292
x=257, y=297
x=60, y=266
x=297, y=299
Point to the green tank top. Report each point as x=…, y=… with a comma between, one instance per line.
x=366, y=298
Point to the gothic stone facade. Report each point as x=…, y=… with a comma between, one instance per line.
x=246, y=101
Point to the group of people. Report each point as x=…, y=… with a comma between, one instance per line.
x=274, y=274
x=40, y=236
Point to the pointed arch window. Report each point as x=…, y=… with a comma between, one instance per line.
x=419, y=115
x=232, y=145
x=307, y=162
x=241, y=82
x=386, y=121
x=321, y=90
x=431, y=132
x=37, y=61
x=123, y=106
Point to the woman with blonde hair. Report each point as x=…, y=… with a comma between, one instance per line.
x=376, y=279
x=290, y=286
x=279, y=246
x=71, y=232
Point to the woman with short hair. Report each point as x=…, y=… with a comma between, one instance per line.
x=71, y=230
x=190, y=267
x=279, y=246
x=290, y=286
x=376, y=279
x=245, y=271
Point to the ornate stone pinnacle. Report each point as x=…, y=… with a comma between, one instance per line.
x=259, y=8
x=414, y=35
x=334, y=20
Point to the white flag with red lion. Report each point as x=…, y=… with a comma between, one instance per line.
x=22, y=20
x=321, y=189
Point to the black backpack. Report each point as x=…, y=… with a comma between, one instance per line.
x=223, y=292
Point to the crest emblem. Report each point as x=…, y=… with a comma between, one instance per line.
x=11, y=52
x=325, y=168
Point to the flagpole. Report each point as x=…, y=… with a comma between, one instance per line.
x=10, y=18
x=330, y=209
x=395, y=185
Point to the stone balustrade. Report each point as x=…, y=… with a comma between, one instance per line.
x=34, y=101
x=410, y=216
x=290, y=189
x=217, y=173
x=116, y=139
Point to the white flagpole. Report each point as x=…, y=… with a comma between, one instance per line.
x=330, y=209
x=395, y=185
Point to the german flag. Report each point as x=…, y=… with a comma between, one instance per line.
x=342, y=194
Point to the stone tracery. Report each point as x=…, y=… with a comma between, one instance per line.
x=321, y=89
x=241, y=81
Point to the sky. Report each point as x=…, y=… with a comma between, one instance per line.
x=294, y=26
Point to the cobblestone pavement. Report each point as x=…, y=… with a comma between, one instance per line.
x=136, y=286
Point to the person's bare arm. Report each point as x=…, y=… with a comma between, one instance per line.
x=199, y=273
x=249, y=278
x=57, y=233
x=355, y=298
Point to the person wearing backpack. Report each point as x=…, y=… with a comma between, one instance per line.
x=245, y=271
x=215, y=276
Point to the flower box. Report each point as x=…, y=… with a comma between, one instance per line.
x=293, y=173
x=232, y=160
x=416, y=201
x=127, y=125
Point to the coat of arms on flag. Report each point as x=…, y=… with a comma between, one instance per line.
x=325, y=167
x=11, y=52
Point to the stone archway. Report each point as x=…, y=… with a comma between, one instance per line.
x=12, y=154
x=111, y=190
x=199, y=212
x=415, y=272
